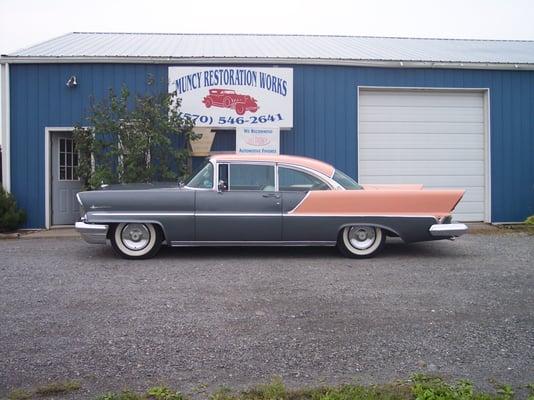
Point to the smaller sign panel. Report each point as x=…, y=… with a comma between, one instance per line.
x=234, y=96
x=257, y=140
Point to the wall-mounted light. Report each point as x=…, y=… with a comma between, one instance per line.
x=72, y=82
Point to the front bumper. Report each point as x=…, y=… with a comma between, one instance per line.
x=448, y=230
x=92, y=233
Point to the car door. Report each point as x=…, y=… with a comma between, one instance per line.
x=294, y=184
x=248, y=209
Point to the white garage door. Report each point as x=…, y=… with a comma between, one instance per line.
x=425, y=136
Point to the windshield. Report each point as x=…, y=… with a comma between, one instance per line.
x=203, y=179
x=346, y=181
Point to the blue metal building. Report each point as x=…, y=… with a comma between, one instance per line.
x=362, y=104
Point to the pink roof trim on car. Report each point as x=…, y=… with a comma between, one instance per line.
x=305, y=162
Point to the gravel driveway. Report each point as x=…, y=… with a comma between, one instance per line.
x=237, y=317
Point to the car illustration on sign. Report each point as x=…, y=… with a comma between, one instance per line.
x=227, y=98
x=273, y=200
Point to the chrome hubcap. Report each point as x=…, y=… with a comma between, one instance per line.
x=135, y=236
x=362, y=237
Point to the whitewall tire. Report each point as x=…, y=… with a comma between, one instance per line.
x=361, y=241
x=136, y=240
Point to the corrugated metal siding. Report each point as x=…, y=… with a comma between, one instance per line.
x=40, y=98
x=325, y=119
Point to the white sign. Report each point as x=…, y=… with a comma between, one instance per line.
x=235, y=96
x=257, y=140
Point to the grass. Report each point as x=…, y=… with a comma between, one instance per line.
x=19, y=394
x=419, y=387
x=50, y=389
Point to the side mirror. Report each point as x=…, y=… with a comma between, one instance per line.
x=221, y=187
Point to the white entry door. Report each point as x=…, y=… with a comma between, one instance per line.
x=433, y=137
x=65, y=182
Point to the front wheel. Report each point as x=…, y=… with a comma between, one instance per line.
x=360, y=241
x=240, y=109
x=136, y=241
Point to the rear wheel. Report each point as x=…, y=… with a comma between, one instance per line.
x=361, y=241
x=136, y=241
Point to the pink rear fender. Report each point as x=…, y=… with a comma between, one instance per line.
x=390, y=202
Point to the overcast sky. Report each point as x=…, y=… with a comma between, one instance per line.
x=27, y=22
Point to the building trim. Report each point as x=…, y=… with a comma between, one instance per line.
x=487, y=161
x=487, y=120
x=261, y=60
x=5, y=127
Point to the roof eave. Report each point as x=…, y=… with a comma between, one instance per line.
x=9, y=59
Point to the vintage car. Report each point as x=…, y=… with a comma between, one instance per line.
x=276, y=200
x=230, y=99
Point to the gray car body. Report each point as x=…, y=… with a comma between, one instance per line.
x=211, y=217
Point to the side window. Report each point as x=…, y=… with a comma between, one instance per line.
x=251, y=177
x=294, y=180
x=223, y=175
x=203, y=179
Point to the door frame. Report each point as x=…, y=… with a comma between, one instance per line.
x=485, y=91
x=49, y=130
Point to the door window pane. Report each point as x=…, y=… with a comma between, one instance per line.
x=251, y=177
x=223, y=174
x=294, y=180
x=68, y=160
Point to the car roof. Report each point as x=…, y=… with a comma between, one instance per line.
x=299, y=161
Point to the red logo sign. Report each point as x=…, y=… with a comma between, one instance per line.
x=227, y=98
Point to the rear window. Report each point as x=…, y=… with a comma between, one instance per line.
x=346, y=181
x=293, y=180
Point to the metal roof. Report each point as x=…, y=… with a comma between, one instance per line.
x=255, y=48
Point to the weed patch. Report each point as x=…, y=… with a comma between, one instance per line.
x=57, y=388
x=419, y=387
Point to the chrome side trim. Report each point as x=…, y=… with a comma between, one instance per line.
x=215, y=214
x=448, y=230
x=92, y=233
x=138, y=214
x=251, y=243
x=182, y=214
x=360, y=215
x=208, y=214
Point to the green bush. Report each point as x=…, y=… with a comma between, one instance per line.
x=11, y=217
x=530, y=220
x=134, y=138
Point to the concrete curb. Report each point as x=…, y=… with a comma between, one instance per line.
x=59, y=233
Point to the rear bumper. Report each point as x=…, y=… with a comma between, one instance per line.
x=92, y=233
x=448, y=230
